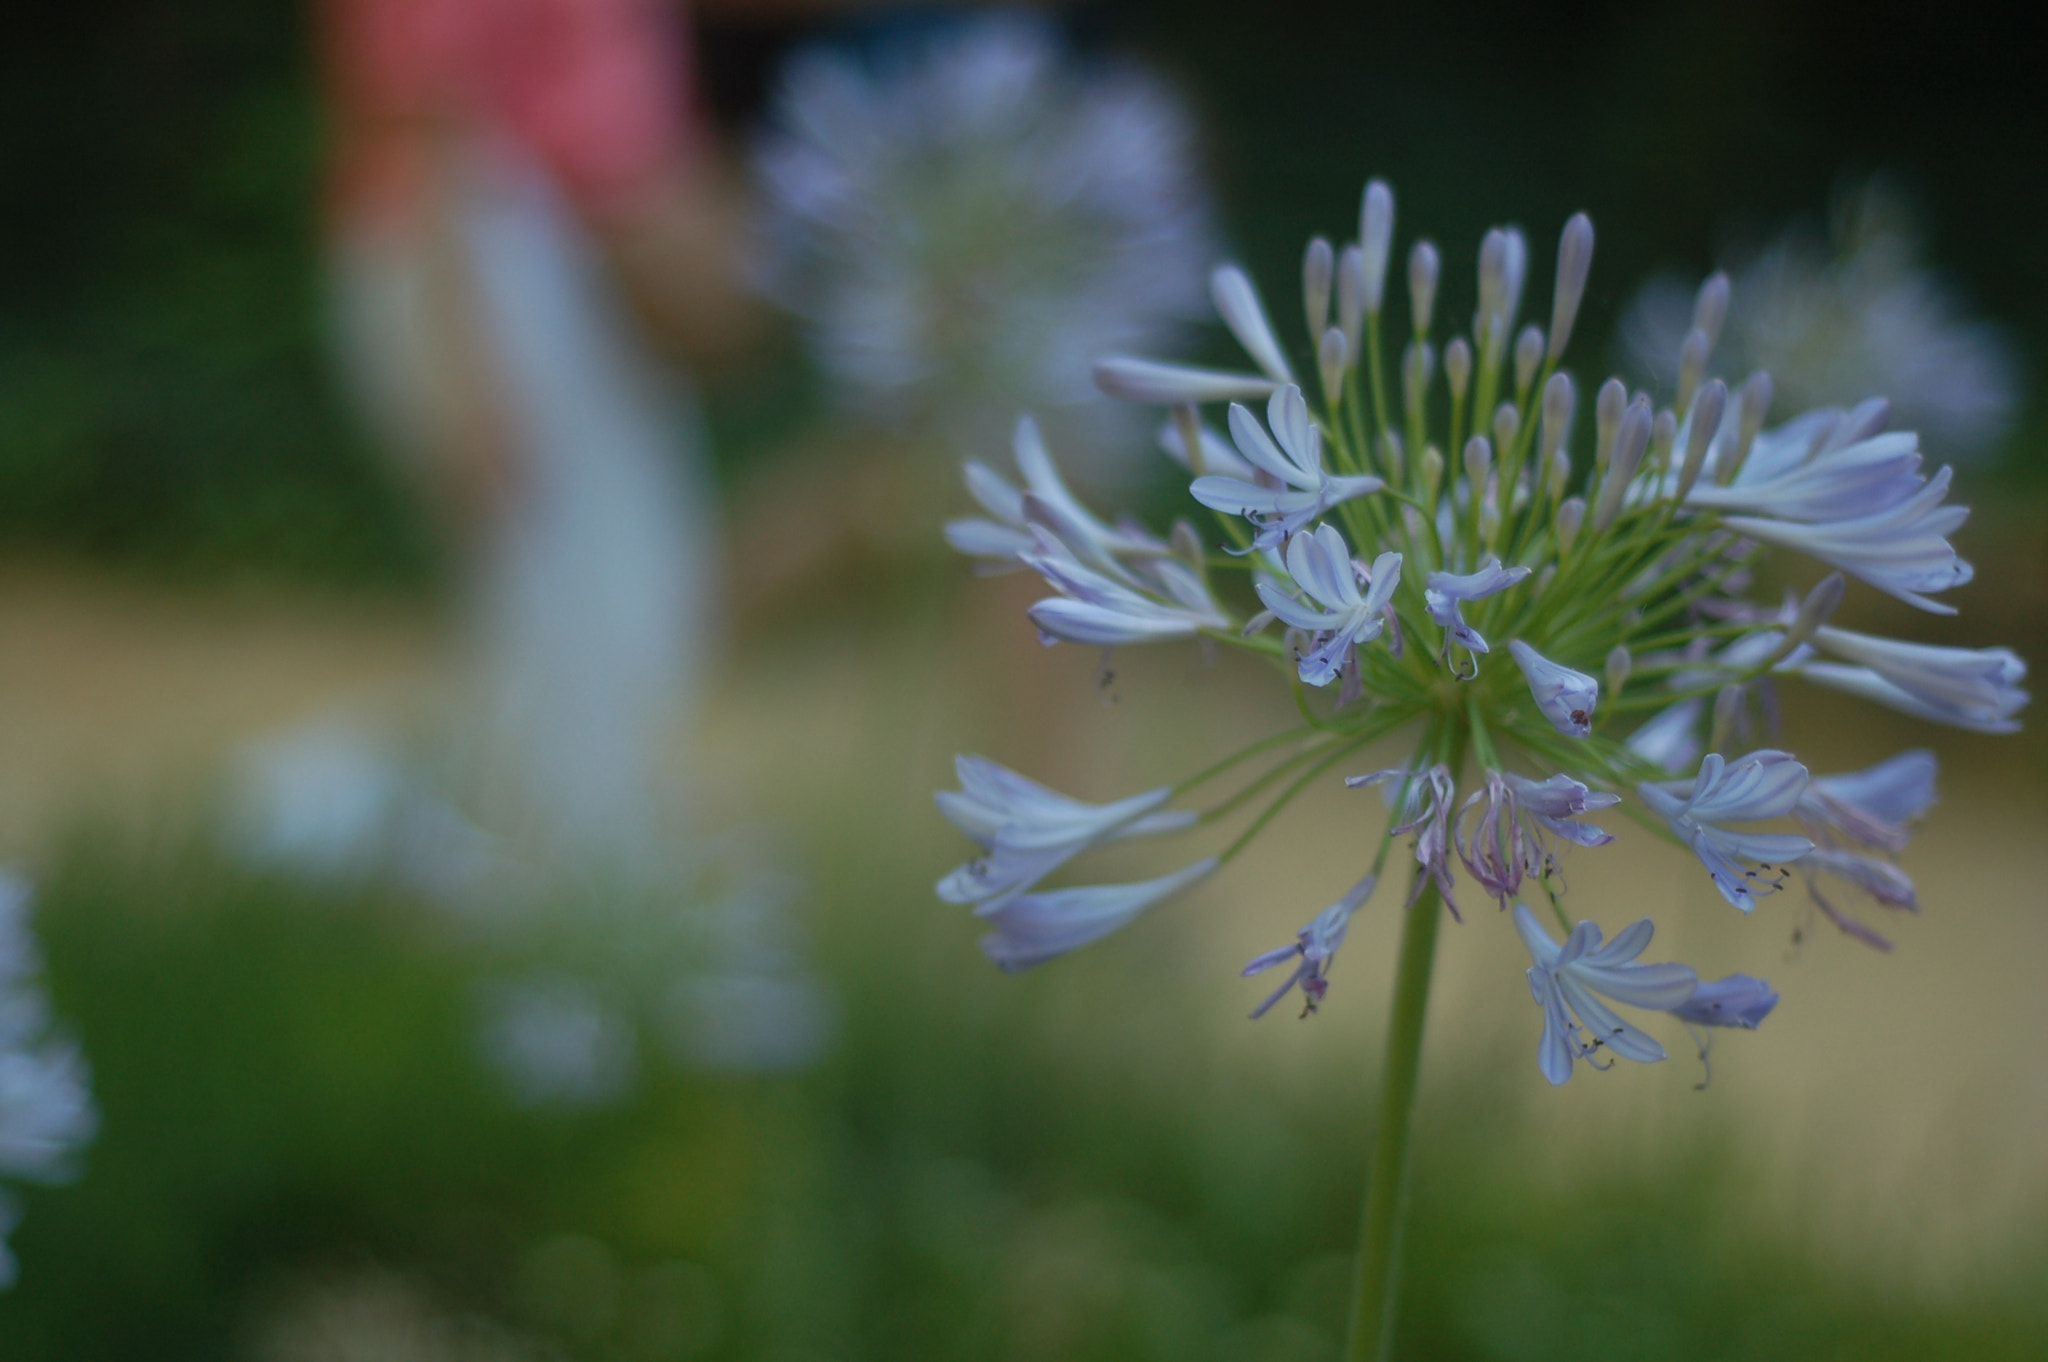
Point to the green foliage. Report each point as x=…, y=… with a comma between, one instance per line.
x=165, y=395
x=290, y=1098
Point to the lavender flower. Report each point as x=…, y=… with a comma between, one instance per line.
x=1031, y=929
x=1738, y=1000
x=1007, y=538
x=1427, y=814
x=1096, y=608
x=1030, y=831
x=1237, y=302
x=1976, y=688
x=1670, y=741
x=1144, y=380
x=1874, y=805
x=1212, y=450
x=1641, y=578
x=1760, y=785
x=1321, y=565
x=1306, y=492
x=1566, y=697
x=1570, y=980
x=1445, y=597
x=1858, y=819
x=1521, y=821
x=1315, y=946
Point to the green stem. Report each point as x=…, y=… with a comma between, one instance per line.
x=1379, y=1247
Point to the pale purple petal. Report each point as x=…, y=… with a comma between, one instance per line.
x=1033, y=928
x=1565, y=697
x=1738, y=1000
x=1145, y=380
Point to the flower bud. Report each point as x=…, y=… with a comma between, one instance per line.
x=1608, y=406
x=1559, y=473
x=1620, y=662
x=1493, y=270
x=1701, y=427
x=1418, y=366
x=1423, y=268
x=1632, y=437
x=1816, y=610
x=1507, y=424
x=1710, y=308
x=1489, y=513
x=1566, y=697
x=1146, y=380
x=1574, y=263
x=1332, y=358
x=1692, y=365
x=1571, y=513
x=1187, y=546
x=1375, y=238
x=1432, y=471
x=1528, y=354
x=1756, y=401
x=1458, y=367
x=1411, y=519
x=1514, y=276
x=1663, y=434
x=1558, y=398
x=1394, y=455
x=1478, y=462
x=1318, y=270
x=1351, y=298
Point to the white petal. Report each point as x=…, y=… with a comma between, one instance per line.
x=1144, y=380
x=1542, y=948
x=1238, y=302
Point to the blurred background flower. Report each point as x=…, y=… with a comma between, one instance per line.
x=46, y=1110
x=1853, y=314
x=965, y=214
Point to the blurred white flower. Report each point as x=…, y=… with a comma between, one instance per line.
x=966, y=221
x=1835, y=322
x=46, y=1108
x=553, y=1039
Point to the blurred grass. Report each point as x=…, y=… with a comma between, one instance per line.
x=289, y=1098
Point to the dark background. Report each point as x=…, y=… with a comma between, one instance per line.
x=165, y=396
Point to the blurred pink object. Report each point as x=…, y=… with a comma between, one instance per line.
x=597, y=91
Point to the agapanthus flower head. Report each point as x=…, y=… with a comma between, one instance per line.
x=1835, y=321
x=1403, y=485
x=966, y=219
